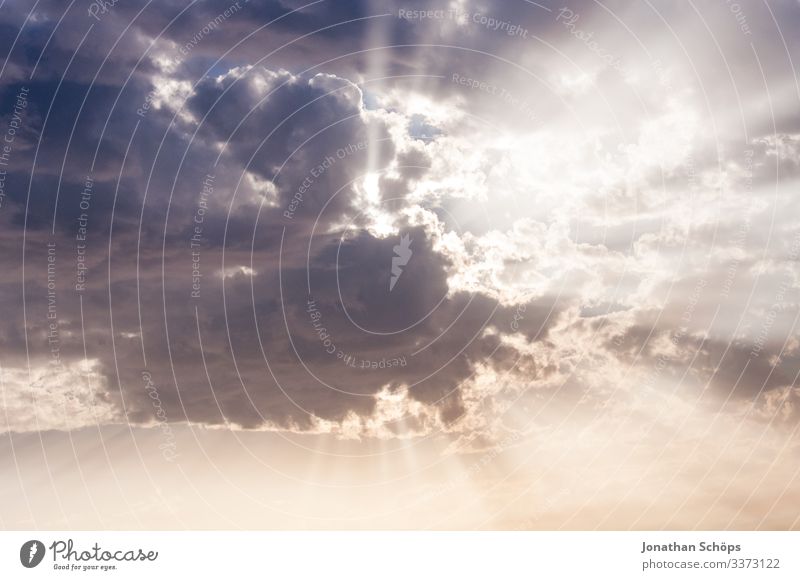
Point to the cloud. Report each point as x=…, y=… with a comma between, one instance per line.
x=573, y=223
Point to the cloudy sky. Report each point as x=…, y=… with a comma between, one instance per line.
x=375, y=264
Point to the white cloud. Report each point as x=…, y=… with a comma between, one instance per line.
x=65, y=397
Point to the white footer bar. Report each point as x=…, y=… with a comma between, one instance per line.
x=401, y=555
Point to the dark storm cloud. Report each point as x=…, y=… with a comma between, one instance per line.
x=276, y=353
x=258, y=312
x=255, y=374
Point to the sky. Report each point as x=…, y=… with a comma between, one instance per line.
x=399, y=265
